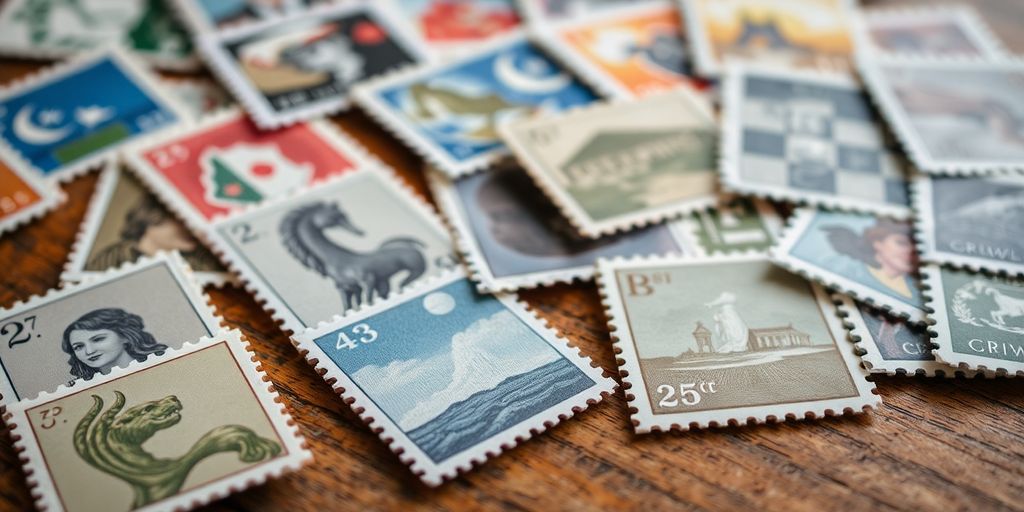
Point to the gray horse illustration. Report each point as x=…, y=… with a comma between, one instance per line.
x=353, y=273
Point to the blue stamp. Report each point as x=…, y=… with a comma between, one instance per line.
x=74, y=117
x=450, y=374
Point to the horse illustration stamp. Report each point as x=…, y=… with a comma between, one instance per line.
x=811, y=138
x=449, y=26
x=204, y=16
x=335, y=247
x=729, y=339
x=797, y=33
x=941, y=30
x=613, y=167
x=953, y=116
x=871, y=258
x=23, y=194
x=977, y=319
x=85, y=330
x=143, y=437
x=448, y=376
x=512, y=237
x=76, y=115
x=735, y=224
x=291, y=68
x=450, y=111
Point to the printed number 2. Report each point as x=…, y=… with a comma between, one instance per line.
x=366, y=335
x=244, y=232
x=687, y=395
x=19, y=332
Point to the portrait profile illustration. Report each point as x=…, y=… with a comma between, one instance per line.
x=880, y=255
x=107, y=338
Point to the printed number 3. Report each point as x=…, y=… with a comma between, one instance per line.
x=365, y=333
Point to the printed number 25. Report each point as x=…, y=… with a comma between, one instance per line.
x=365, y=333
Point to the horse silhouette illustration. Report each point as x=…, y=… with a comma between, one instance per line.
x=358, y=276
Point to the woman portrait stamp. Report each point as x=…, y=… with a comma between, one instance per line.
x=734, y=224
x=614, y=167
x=488, y=374
x=143, y=437
x=728, y=339
x=953, y=30
x=85, y=330
x=24, y=195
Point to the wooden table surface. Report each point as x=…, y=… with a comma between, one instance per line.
x=935, y=444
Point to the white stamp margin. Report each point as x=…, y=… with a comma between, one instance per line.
x=50, y=195
x=962, y=15
x=770, y=218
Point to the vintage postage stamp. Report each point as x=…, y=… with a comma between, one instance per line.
x=124, y=223
x=952, y=116
x=871, y=258
x=977, y=319
x=208, y=16
x=942, y=30
x=449, y=112
x=84, y=330
x=73, y=117
x=512, y=237
x=334, y=247
x=810, y=138
x=615, y=166
x=24, y=195
x=538, y=11
x=198, y=96
x=734, y=224
x=170, y=433
x=705, y=341
x=225, y=163
x=796, y=33
x=451, y=27
x=291, y=68
x=485, y=375
x=973, y=222
x=624, y=52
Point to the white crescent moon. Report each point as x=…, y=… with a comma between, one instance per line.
x=506, y=71
x=29, y=132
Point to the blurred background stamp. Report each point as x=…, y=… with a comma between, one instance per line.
x=950, y=30
x=24, y=195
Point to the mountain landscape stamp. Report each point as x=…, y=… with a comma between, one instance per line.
x=24, y=195
x=953, y=30
x=143, y=437
x=811, y=138
x=74, y=116
x=449, y=112
x=871, y=258
x=83, y=331
x=728, y=339
x=734, y=224
x=487, y=375
x=614, y=166
x=511, y=237
x=973, y=222
x=330, y=249
x=977, y=319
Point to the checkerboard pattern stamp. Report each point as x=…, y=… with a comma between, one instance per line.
x=23, y=194
x=734, y=224
x=936, y=30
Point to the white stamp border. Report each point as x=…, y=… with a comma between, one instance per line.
x=44, y=490
x=50, y=195
x=770, y=219
x=431, y=473
x=642, y=417
x=963, y=16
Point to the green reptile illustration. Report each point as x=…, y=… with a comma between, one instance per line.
x=113, y=444
x=434, y=102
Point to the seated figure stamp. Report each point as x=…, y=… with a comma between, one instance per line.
x=449, y=377
x=170, y=433
x=953, y=30
x=727, y=339
x=24, y=195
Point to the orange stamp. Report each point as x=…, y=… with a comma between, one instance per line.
x=23, y=195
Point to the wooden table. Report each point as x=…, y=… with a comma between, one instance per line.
x=935, y=444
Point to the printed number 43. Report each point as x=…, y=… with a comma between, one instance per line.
x=364, y=334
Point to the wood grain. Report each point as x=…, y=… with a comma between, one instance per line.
x=935, y=444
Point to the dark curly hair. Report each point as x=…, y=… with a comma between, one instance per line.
x=127, y=325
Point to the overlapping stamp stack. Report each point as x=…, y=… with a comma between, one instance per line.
x=777, y=199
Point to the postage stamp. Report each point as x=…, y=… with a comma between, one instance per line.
x=449, y=112
x=797, y=33
x=977, y=319
x=126, y=222
x=734, y=224
x=952, y=116
x=329, y=249
x=74, y=116
x=170, y=433
x=198, y=96
x=537, y=11
x=511, y=237
x=486, y=375
x=810, y=138
x=23, y=194
x=615, y=166
x=731, y=339
x=83, y=330
x=225, y=163
x=291, y=68
x=207, y=16
x=871, y=258
x=448, y=26
x=624, y=52
x=941, y=30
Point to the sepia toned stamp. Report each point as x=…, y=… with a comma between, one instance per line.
x=511, y=237
x=291, y=68
x=971, y=222
x=83, y=331
x=23, y=194
x=727, y=340
x=449, y=112
x=952, y=116
x=976, y=319
x=871, y=258
x=170, y=433
x=485, y=374
x=453, y=27
x=334, y=247
x=204, y=16
x=126, y=222
x=734, y=224
x=811, y=138
x=953, y=30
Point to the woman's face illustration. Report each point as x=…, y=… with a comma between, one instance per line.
x=895, y=252
x=102, y=349
x=168, y=236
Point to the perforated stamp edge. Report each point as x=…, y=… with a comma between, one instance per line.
x=50, y=194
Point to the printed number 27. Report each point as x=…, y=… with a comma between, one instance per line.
x=365, y=333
